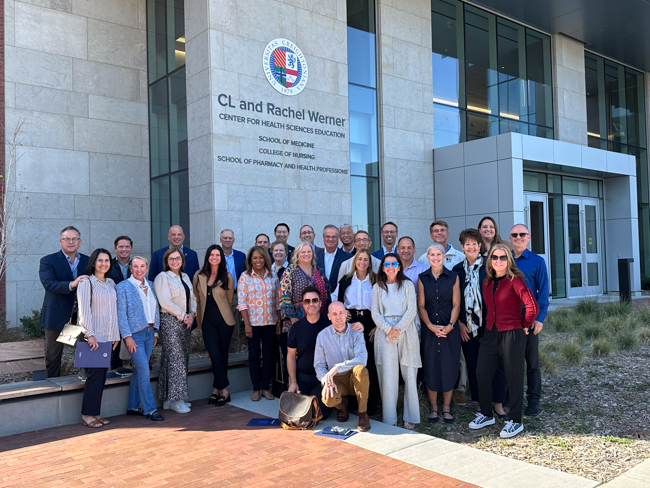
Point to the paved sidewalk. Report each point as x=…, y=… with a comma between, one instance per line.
x=205, y=447
x=448, y=458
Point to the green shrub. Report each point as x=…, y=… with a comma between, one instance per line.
x=594, y=330
x=615, y=324
x=644, y=335
x=549, y=345
x=547, y=362
x=601, y=347
x=32, y=325
x=617, y=309
x=587, y=306
x=571, y=352
x=627, y=340
x=560, y=323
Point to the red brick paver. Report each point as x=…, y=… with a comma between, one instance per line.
x=208, y=446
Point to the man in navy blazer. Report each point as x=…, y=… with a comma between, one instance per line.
x=331, y=257
x=176, y=238
x=60, y=274
x=388, y=239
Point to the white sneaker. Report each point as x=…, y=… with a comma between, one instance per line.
x=511, y=429
x=481, y=421
x=168, y=405
x=179, y=407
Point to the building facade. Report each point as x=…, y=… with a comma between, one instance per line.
x=213, y=114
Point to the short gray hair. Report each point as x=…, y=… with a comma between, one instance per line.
x=331, y=226
x=71, y=227
x=226, y=230
x=146, y=261
x=438, y=246
x=523, y=225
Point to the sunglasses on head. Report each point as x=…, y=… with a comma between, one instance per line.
x=394, y=264
x=307, y=301
x=499, y=258
x=520, y=234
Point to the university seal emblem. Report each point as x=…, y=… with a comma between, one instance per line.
x=285, y=66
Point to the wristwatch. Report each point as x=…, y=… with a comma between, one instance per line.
x=452, y=324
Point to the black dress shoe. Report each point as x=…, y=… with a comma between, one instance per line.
x=214, y=398
x=223, y=400
x=533, y=409
x=135, y=412
x=155, y=416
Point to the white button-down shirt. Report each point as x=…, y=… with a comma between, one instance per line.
x=148, y=300
x=329, y=262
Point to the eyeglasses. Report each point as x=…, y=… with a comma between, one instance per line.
x=514, y=235
x=175, y=259
x=394, y=264
x=499, y=258
x=307, y=301
x=70, y=239
x=365, y=239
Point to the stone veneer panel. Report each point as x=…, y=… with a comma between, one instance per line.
x=76, y=76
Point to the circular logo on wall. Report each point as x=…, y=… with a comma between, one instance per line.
x=285, y=66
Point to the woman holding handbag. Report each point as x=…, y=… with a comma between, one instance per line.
x=98, y=319
x=214, y=287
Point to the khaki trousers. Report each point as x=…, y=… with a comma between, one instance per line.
x=354, y=382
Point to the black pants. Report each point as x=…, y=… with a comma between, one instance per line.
x=53, y=352
x=263, y=334
x=533, y=373
x=216, y=336
x=499, y=383
x=309, y=385
x=116, y=362
x=374, y=395
x=280, y=346
x=93, y=391
x=510, y=347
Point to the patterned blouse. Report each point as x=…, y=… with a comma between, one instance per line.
x=98, y=319
x=258, y=295
x=294, y=281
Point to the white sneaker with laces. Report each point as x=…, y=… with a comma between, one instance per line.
x=168, y=405
x=511, y=429
x=481, y=421
x=179, y=407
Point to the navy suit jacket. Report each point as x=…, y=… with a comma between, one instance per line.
x=339, y=258
x=379, y=253
x=240, y=263
x=156, y=265
x=55, y=275
x=116, y=272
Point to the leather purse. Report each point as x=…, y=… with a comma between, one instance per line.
x=299, y=412
x=72, y=332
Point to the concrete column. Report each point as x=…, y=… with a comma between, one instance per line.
x=569, y=95
x=406, y=107
x=237, y=178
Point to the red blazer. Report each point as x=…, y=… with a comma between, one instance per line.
x=504, y=306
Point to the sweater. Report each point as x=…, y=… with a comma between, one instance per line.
x=504, y=305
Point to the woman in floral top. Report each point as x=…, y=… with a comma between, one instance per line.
x=257, y=294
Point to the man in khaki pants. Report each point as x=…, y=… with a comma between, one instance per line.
x=340, y=363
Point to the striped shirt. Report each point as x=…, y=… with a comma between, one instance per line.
x=100, y=320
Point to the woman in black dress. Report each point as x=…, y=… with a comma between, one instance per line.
x=438, y=307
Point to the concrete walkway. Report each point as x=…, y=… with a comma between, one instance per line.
x=438, y=455
x=637, y=477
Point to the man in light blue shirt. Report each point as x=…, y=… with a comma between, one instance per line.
x=340, y=361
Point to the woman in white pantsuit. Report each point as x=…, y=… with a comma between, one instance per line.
x=397, y=347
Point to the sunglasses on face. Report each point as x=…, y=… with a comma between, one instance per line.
x=394, y=264
x=307, y=301
x=514, y=235
x=499, y=258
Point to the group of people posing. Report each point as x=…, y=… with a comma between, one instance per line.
x=348, y=322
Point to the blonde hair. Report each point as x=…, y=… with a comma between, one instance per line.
x=295, y=256
x=371, y=273
x=511, y=270
x=146, y=261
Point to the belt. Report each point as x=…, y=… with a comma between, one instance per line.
x=358, y=312
x=150, y=325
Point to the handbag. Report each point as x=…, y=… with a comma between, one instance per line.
x=299, y=412
x=279, y=385
x=72, y=332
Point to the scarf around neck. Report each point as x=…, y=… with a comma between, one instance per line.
x=473, y=294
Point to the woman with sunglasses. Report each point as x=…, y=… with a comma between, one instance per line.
x=439, y=305
x=355, y=291
x=504, y=339
x=397, y=348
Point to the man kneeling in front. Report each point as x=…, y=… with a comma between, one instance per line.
x=340, y=363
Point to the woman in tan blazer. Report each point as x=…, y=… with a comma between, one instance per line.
x=213, y=287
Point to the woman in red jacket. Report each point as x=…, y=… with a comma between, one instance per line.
x=504, y=291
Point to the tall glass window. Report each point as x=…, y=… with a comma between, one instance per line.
x=167, y=119
x=362, y=98
x=616, y=122
x=490, y=75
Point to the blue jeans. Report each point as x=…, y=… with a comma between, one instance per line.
x=140, y=388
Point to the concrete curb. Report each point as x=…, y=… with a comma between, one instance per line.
x=637, y=477
x=448, y=458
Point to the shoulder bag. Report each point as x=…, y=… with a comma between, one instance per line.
x=72, y=332
x=299, y=412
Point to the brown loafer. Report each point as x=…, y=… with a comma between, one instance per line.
x=364, y=422
x=255, y=396
x=342, y=413
x=267, y=394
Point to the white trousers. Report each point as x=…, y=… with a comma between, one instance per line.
x=388, y=373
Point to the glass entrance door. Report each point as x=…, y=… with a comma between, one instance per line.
x=536, y=218
x=582, y=237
